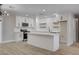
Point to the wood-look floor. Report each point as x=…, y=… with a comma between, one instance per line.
x=22, y=48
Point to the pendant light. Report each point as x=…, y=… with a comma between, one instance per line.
x=3, y=12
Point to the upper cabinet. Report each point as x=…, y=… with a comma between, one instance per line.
x=24, y=21
x=18, y=20
x=48, y=24
x=41, y=24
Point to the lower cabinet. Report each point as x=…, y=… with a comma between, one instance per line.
x=19, y=36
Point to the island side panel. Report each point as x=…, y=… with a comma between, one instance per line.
x=43, y=41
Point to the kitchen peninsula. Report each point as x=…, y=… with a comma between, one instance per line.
x=45, y=40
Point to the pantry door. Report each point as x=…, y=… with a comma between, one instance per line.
x=63, y=31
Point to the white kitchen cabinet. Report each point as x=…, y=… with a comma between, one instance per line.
x=42, y=24
x=48, y=24
x=19, y=36
x=31, y=22
x=20, y=20
x=54, y=24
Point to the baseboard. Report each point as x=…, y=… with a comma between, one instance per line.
x=8, y=41
x=69, y=44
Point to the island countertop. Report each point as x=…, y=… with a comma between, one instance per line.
x=42, y=33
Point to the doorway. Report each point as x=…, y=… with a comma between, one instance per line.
x=63, y=33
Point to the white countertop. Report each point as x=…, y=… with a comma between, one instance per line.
x=43, y=33
x=17, y=30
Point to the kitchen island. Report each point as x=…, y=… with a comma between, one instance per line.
x=45, y=40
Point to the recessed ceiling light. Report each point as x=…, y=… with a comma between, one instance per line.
x=44, y=10
x=7, y=14
x=5, y=11
x=55, y=14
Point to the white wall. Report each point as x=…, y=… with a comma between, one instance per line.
x=71, y=30
x=8, y=26
x=0, y=31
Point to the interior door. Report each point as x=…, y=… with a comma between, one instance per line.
x=63, y=31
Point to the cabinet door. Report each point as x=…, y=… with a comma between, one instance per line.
x=17, y=21
x=30, y=21
x=54, y=25
x=19, y=36
x=23, y=19
x=42, y=25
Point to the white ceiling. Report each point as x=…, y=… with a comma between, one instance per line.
x=35, y=9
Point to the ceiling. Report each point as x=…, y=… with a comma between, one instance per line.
x=35, y=9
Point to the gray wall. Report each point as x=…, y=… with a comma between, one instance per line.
x=8, y=26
